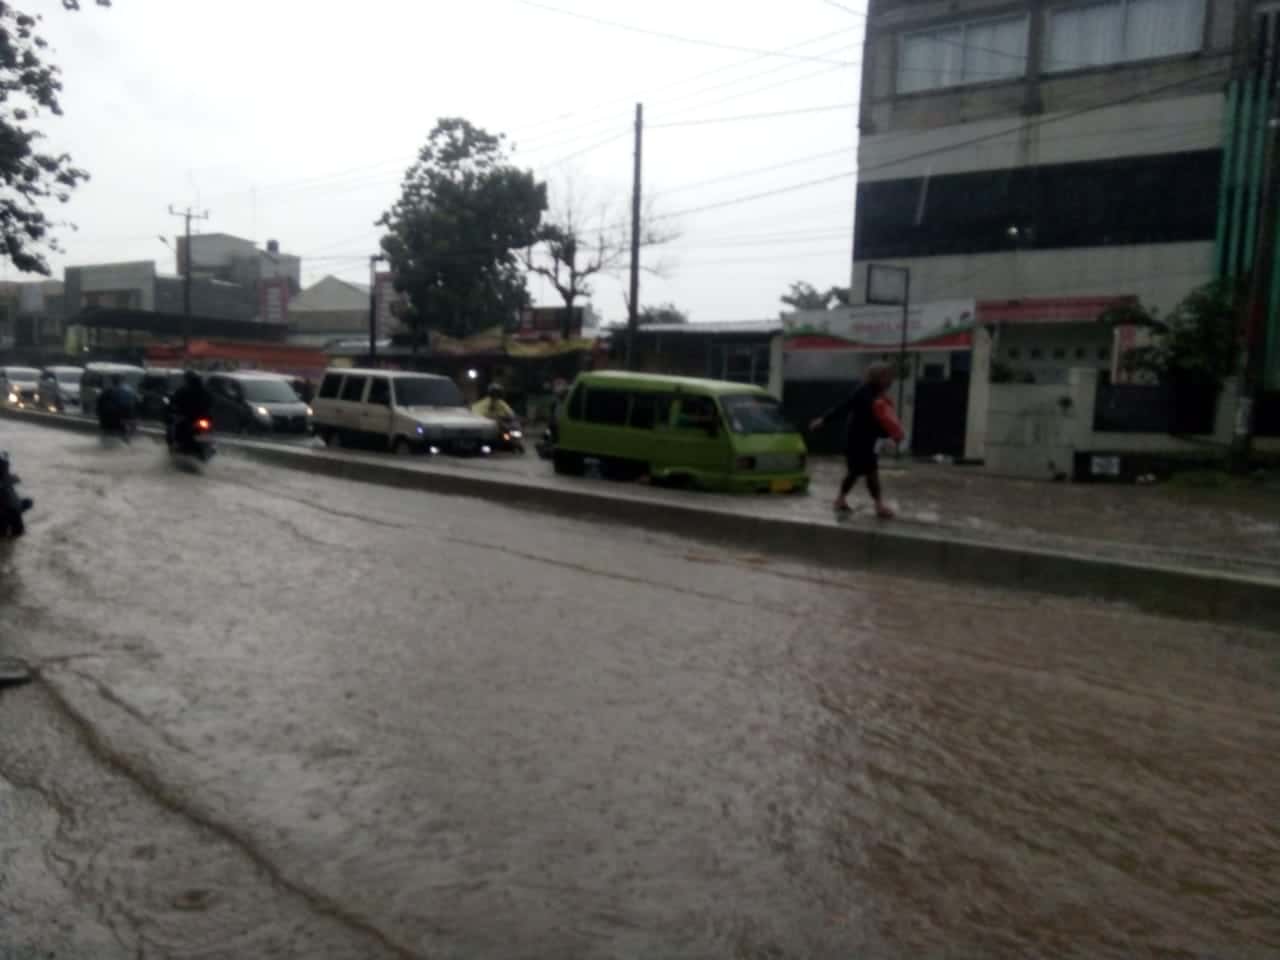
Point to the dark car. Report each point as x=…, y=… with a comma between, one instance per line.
x=154, y=390
x=257, y=403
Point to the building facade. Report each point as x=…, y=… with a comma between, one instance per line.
x=1046, y=152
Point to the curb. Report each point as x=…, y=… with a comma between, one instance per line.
x=1187, y=592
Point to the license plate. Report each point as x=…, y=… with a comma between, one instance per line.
x=781, y=486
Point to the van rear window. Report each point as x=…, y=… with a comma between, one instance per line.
x=330, y=385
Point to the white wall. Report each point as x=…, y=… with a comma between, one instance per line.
x=1133, y=129
x=1159, y=275
x=139, y=277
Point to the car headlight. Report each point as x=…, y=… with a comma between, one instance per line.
x=310, y=412
x=262, y=412
x=517, y=434
x=13, y=398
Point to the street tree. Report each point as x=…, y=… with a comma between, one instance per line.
x=454, y=234
x=661, y=313
x=805, y=296
x=579, y=242
x=30, y=85
x=1195, y=344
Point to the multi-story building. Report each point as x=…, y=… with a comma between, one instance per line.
x=1044, y=156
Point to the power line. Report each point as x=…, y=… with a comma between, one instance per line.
x=701, y=121
x=843, y=152
x=675, y=37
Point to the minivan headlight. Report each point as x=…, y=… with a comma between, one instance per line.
x=262, y=412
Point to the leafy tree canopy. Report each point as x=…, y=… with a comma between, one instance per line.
x=662, y=313
x=29, y=175
x=805, y=296
x=1197, y=340
x=452, y=237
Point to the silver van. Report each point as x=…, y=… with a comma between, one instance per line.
x=97, y=377
x=398, y=411
x=60, y=388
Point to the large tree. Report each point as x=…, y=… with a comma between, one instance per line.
x=30, y=176
x=662, y=313
x=579, y=242
x=464, y=211
x=805, y=296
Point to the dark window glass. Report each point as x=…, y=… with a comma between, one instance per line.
x=649, y=410
x=1080, y=353
x=606, y=406
x=427, y=392
x=353, y=388
x=1036, y=353
x=1060, y=353
x=330, y=386
x=696, y=413
x=267, y=391
x=1013, y=353
x=1103, y=353
x=575, y=402
x=380, y=392
x=751, y=413
x=1050, y=206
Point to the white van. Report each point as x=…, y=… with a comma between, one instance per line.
x=399, y=411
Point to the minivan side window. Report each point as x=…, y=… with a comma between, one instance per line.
x=331, y=384
x=696, y=413
x=353, y=389
x=575, y=402
x=650, y=410
x=606, y=406
x=380, y=391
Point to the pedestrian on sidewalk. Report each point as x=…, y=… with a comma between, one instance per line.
x=870, y=419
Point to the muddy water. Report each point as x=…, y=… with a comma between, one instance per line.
x=480, y=733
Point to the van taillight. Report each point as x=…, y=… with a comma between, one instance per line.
x=744, y=463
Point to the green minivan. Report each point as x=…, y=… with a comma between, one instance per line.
x=708, y=433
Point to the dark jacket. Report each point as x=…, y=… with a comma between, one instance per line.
x=869, y=419
x=190, y=402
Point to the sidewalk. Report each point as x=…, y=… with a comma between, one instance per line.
x=1229, y=528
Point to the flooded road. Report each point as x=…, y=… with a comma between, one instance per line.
x=421, y=726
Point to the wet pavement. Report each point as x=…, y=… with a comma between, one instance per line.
x=279, y=715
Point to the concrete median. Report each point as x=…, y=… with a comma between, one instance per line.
x=1183, y=591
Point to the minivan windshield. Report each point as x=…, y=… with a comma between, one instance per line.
x=752, y=413
x=21, y=374
x=427, y=392
x=268, y=391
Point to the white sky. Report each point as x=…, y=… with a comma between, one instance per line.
x=293, y=124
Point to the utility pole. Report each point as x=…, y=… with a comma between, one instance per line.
x=633, y=304
x=373, y=306
x=1254, y=320
x=188, y=215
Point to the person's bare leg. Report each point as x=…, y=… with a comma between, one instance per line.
x=883, y=510
x=842, y=502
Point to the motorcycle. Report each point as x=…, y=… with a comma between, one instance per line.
x=193, y=440
x=12, y=506
x=121, y=428
x=510, y=435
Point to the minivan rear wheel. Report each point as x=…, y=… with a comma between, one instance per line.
x=401, y=447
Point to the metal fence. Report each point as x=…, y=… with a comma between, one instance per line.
x=1126, y=408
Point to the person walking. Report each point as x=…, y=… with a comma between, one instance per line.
x=869, y=418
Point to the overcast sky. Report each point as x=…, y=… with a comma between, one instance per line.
x=289, y=123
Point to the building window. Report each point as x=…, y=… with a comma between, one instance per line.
x=1036, y=353
x=976, y=52
x=1060, y=353
x=1013, y=353
x=1117, y=31
x=1080, y=353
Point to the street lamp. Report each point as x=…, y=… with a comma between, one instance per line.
x=373, y=306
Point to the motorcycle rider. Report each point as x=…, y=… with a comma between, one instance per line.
x=117, y=407
x=189, y=403
x=494, y=406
